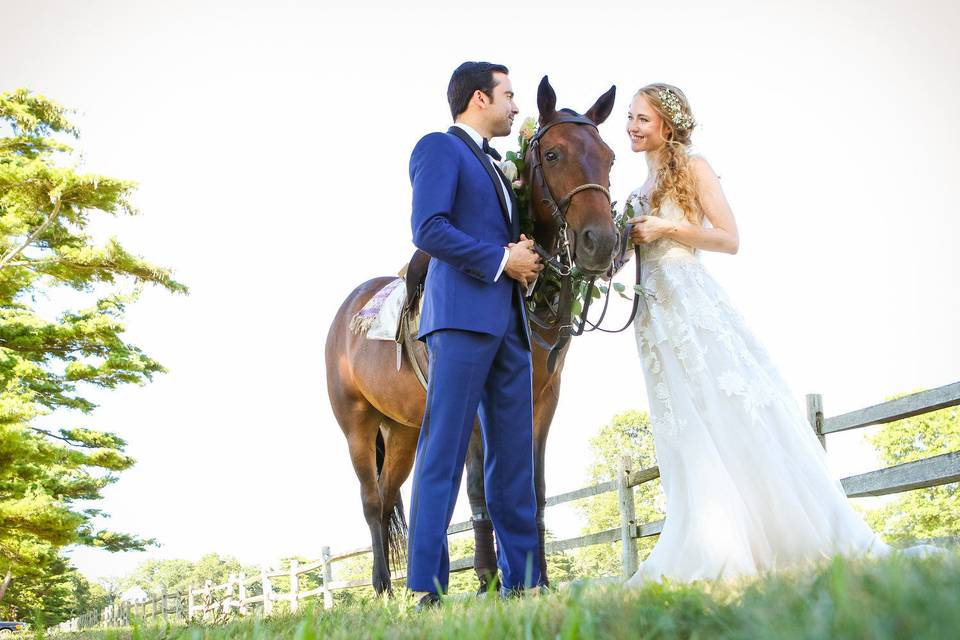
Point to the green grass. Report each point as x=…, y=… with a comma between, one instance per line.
x=895, y=598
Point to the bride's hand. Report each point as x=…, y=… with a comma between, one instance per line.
x=649, y=228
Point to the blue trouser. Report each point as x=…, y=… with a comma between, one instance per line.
x=470, y=370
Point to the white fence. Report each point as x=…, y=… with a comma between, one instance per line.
x=214, y=602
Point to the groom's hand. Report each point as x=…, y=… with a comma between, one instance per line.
x=523, y=263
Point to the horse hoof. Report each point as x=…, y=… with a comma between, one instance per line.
x=488, y=584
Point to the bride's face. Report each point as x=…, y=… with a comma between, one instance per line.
x=644, y=126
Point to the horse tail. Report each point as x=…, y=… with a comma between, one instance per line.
x=397, y=528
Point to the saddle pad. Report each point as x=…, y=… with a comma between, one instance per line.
x=378, y=319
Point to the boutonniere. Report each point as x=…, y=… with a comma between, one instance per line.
x=514, y=168
x=509, y=169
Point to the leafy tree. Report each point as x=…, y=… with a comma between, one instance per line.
x=87, y=596
x=155, y=576
x=923, y=513
x=217, y=569
x=52, y=591
x=627, y=434
x=48, y=358
x=306, y=581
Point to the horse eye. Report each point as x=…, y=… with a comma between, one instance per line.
x=550, y=155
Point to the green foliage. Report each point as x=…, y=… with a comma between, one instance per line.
x=923, y=513
x=889, y=599
x=627, y=434
x=155, y=576
x=48, y=358
x=51, y=590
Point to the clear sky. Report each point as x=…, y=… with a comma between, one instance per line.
x=271, y=140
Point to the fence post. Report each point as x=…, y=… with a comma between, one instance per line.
x=242, y=593
x=190, y=602
x=267, y=592
x=327, y=579
x=628, y=517
x=294, y=585
x=227, y=603
x=815, y=417
x=153, y=607
x=208, y=599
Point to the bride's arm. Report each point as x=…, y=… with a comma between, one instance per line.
x=722, y=236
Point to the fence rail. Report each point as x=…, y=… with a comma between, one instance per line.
x=211, y=600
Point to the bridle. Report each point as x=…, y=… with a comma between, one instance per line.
x=558, y=210
x=560, y=257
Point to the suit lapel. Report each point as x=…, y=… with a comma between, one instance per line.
x=488, y=167
x=514, y=206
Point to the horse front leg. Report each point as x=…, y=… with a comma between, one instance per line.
x=540, y=447
x=484, y=555
x=546, y=397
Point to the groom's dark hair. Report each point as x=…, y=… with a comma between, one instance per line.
x=466, y=79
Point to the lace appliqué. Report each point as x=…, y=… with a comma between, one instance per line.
x=751, y=395
x=665, y=421
x=687, y=315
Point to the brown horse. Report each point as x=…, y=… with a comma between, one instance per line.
x=380, y=409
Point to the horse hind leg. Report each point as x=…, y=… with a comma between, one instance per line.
x=397, y=448
x=484, y=555
x=362, y=430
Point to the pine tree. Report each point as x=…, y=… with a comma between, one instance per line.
x=49, y=360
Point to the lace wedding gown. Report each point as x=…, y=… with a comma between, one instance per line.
x=746, y=481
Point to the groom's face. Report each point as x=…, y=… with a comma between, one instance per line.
x=501, y=111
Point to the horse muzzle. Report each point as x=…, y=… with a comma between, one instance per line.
x=593, y=250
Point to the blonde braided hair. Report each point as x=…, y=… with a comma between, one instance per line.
x=674, y=180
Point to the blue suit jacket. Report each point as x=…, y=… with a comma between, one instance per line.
x=460, y=218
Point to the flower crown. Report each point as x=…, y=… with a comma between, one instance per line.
x=674, y=108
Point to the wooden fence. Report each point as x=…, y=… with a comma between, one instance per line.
x=236, y=596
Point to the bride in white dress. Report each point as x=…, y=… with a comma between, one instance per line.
x=746, y=481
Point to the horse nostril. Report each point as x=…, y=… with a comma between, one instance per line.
x=589, y=241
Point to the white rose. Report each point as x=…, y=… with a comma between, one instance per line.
x=509, y=170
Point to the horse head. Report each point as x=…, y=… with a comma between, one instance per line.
x=569, y=177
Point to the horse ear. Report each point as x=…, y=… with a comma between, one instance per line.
x=546, y=100
x=601, y=109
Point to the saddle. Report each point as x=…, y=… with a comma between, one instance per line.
x=414, y=274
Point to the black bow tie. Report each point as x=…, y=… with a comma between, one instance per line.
x=490, y=151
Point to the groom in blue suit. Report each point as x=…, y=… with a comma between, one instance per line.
x=465, y=216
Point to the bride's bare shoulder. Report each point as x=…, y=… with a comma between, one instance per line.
x=700, y=166
x=704, y=175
